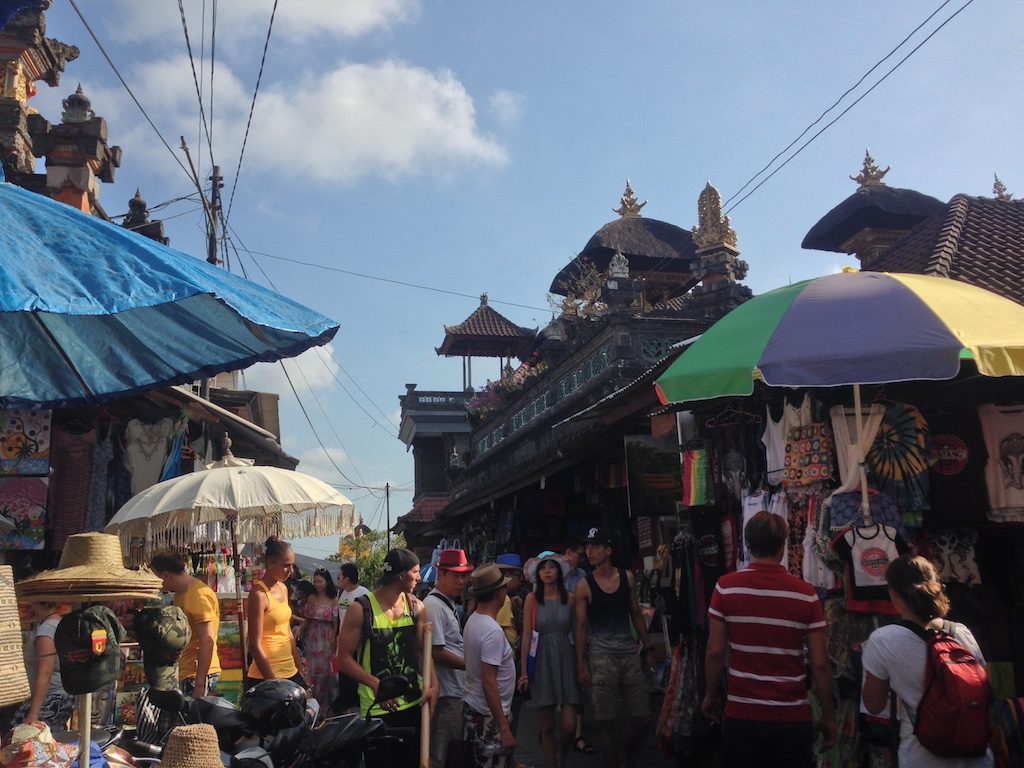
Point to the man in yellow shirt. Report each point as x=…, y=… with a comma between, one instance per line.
x=199, y=665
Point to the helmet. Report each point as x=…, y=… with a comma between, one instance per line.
x=274, y=704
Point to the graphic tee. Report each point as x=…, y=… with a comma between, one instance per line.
x=1003, y=429
x=957, y=458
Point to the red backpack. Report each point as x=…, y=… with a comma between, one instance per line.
x=953, y=714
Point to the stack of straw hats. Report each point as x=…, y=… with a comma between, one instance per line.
x=91, y=570
x=14, y=687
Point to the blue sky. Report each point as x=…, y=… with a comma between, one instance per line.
x=475, y=146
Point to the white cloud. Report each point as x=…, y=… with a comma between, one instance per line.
x=388, y=118
x=246, y=20
x=313, y=461
x=316, y=366
x=507, y=107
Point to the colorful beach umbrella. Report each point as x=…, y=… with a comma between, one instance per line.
x=851, y=328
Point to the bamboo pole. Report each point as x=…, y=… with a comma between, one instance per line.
x=427, y=672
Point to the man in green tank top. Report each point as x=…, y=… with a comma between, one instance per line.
x=380, y=636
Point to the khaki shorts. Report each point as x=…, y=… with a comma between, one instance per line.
x=618, y=686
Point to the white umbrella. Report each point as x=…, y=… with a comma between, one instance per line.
x=247, y=503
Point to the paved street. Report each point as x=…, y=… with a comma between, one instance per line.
x=529, y=752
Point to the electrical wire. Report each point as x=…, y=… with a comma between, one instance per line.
x=391, y=429
x=390, y=280
x=138, y=104
x=160, y=206
x=836, y=103
x=856, y=101
x=356, y=383
x=213, y=64
x=195, y=80
x=252, y=108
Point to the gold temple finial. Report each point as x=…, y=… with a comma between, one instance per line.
x=999, y=191
x=629, y=208
x=870, y=175
x=713, y=228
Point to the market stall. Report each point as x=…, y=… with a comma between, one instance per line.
x=862, y=419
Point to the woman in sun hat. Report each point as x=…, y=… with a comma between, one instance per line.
x=549, y=611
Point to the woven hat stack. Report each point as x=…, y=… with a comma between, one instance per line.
x=14, y=687
x=192, y=746
x=91, y=570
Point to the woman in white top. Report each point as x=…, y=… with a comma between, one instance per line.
x=896, y=656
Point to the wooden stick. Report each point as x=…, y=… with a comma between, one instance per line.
x=427, y=673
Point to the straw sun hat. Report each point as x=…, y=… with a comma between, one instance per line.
x=91, y=570
x=14, y=687
x=192, y=746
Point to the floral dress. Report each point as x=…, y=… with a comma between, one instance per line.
x=320, y=644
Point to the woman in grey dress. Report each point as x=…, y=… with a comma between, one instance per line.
x=549, y=611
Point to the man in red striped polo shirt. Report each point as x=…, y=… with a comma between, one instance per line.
x=765, y=616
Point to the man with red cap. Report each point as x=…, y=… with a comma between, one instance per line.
x=446, y=642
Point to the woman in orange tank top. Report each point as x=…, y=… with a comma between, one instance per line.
x=271, y=643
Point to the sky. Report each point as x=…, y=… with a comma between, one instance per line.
x=475, y=147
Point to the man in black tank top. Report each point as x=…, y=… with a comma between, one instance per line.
x=606, y=608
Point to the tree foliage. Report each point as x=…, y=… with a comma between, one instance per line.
x=367, y=551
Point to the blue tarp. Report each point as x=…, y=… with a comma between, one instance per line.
x=90, y=310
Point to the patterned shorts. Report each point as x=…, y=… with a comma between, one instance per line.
x=55, y=711
x=480, y=732
x=618, y=685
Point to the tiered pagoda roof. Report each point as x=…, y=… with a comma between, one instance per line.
x=486, y=333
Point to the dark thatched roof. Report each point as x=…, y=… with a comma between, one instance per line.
x=977, y=240
x=648, y=244
x=876, y=207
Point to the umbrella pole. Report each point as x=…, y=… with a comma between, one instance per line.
x=427, y=674
x=84, y=729
x=865, y=504
x=238, y=593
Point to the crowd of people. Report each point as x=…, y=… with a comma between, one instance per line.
x=550, y=631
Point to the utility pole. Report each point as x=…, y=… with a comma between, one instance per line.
x=387, y=507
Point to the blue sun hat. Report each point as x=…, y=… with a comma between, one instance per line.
x=509, y=561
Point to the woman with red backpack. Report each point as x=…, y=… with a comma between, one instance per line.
x=933, y=670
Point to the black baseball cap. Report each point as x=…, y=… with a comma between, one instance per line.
x=599, y=536
x=89, y=647
x=397, y=562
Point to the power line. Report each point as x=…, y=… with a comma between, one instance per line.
x=390, y=280
x=213, y=63
x=127, y=88
x=356, y=383
x=252, y=108
x=369, y=415
x=856, y=101
x=195, y=79
x=836, y=103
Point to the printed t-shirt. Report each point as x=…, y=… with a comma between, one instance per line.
x=1003, y=429
x=347, y=597
x=200, y=605
x=957, y=468
x=446, y=633
x=768, y=614
x=485, y=643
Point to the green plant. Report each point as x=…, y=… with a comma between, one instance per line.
x=367, y=551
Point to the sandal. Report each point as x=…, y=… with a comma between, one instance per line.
x=580, y=745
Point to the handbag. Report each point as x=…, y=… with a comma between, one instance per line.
x=531, y=659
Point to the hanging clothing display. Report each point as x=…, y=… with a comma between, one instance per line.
x=1003, y=429
x=775, y=433
x=71, y=457
x=844, y=428
x=815, y=571
x=102, y=454
x=957, y=467
x=866, y=553
x=696, y=478
x=808, y=456
x=844, y=511
x=146, y=451
x=760, y=501
x=898, y=460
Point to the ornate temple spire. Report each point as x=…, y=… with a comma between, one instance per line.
x=999, y=191
x=629, y=208
x=483, y=299
x=870, y=174
x=77, y=108
x=713, y=229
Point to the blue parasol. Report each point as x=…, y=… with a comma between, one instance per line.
x=90, y=311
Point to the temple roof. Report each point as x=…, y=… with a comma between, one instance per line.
x=486, y=333
x=977, y=240
x=648, y=244
x=875, y=207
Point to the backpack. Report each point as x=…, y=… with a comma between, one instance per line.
x=953, y=715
